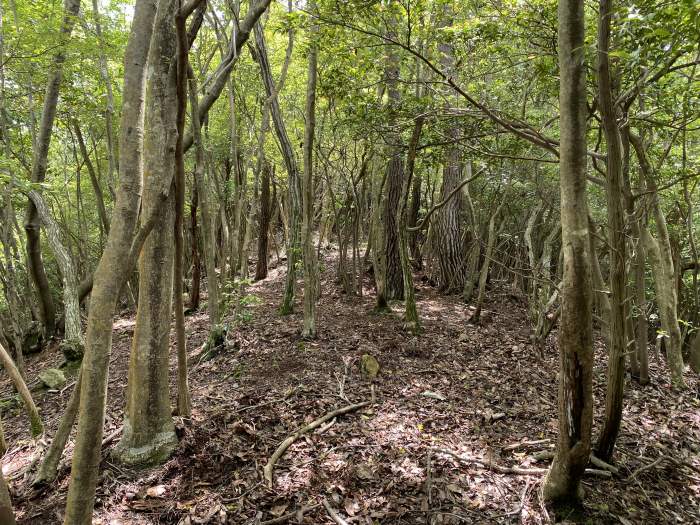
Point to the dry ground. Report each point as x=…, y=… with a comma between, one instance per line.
x=487, y=390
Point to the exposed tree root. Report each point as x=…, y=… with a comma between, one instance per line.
x=281, y=449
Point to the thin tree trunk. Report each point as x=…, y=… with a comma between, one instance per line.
x=8, y=364
x=616, y=224
x=562, y=484
x=293, y=177
x=208, y=218
x=39, y=167
x=49, y=466
x=72, y=346
x=661, y=257
x=184, y=402
x=411, y=318
x=101, y=209
x=311, y=278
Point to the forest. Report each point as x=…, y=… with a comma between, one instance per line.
x=349, y=262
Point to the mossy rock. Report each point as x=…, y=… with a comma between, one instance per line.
x=369, y=366
x=53, y=378
x=72, y=350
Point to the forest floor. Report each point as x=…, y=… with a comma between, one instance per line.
x=479, y=390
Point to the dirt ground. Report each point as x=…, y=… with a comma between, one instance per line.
x=479, y=390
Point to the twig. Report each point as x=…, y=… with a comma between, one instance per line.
x=497, y=468
x=523, y=444
x=514, y=470
x=268, y=470
x=290, y=515
x=645, y=467
x=333, y=514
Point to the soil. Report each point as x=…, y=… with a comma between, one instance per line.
x=479, y=390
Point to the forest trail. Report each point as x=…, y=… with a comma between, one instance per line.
x=476, y=390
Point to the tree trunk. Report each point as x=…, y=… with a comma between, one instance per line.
x=562, y=484
x=195, y=289
x=111, y=274
x=101, y=209
x=7, y=517
x=394, y=181
x=8, y=364
x=661, y=257
x=293, y=177
x=263, y=223
x=311, y=278
x=618, y=245
x=184, y=402
x=149, y=433
x=72, y=346
x=484, y=273
x=49, y=466
x=448, y=238
x=39, y=166
x=411, y=319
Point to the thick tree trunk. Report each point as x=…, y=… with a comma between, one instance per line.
x=392, y=186
x=111, y=274
x=39, y=166
x=149, y=433
x=448, y=238
x=562, y=484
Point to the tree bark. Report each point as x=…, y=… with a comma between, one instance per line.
x=184, y=402
x=392, y=187
x=39, y=167
x=661, y=257
x=616, y=223
x=7, y=516
x=562, y=484
x=149, y=433
x=293, y=176
x=8, y=364
x=311, y=278
x=110, y=273
x=411, y=318
x=73, y=344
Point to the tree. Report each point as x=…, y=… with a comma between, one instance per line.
x=562, y=484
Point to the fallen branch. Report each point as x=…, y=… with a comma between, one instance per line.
x=492, y=466
x=268, y=470
x=514, y=470
x=333, y=514
x=524, y=444
x=286, y=518
x=645, y=467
